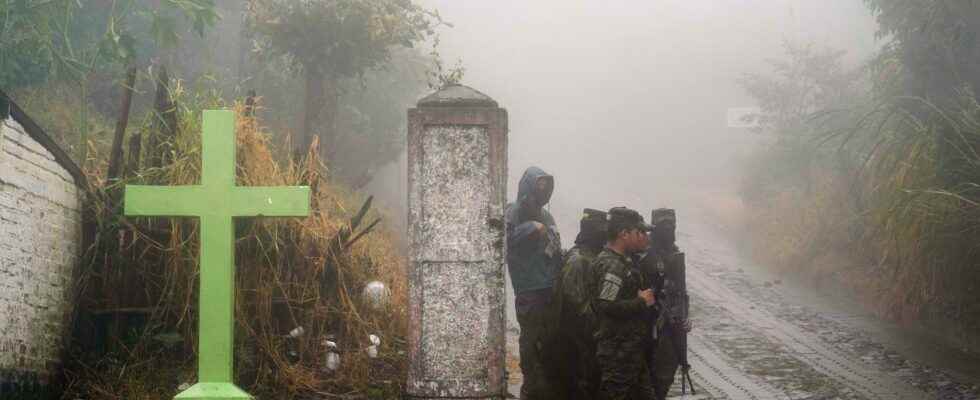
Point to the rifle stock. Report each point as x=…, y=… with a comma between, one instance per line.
x=672, y=309
x=677, y=272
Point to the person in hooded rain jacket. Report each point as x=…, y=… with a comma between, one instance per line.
x=533, y=260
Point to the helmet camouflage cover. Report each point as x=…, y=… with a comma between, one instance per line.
x=663, y=215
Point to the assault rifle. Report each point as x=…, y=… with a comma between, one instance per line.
x=673, y=305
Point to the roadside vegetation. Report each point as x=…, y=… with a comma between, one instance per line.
x=320, y=90
x=871, y=175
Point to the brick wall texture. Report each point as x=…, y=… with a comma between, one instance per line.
x=40, y=224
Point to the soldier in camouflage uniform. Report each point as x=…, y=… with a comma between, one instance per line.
x=621, y=305
x=659, y=265
x=578, y=322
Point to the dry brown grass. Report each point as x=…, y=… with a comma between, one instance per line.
x=286, y=278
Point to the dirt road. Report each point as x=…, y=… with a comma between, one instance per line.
x=756, y=337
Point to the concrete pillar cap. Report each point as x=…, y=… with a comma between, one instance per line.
x=456, y=95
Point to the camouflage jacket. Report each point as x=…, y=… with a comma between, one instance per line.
x=620, y=312
x=578, y=286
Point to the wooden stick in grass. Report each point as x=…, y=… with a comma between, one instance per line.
x=116, y=156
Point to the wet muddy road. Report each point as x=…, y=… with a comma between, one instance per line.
x=756, y=337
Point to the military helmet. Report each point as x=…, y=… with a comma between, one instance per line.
x=622, y=218
x=592, y=227
x=593, y=219
x=663, y=215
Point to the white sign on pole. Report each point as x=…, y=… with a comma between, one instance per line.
x=743, y=117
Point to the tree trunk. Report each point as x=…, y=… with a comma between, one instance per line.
x=164, y=134
x=83, y=123
x=320, y=116
x=314, y=105
x=135, y=147
x=250, y=104
x=116, y=156
x=244, y=41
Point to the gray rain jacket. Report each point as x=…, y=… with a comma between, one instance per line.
x=533, y=261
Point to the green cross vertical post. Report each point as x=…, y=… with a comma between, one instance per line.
x=216, y=201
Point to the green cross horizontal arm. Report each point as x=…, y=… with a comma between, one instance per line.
x=216, y=201
x=199, y=201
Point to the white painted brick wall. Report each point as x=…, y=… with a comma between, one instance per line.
x=40, y=225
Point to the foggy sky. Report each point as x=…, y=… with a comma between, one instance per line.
x=625, y=102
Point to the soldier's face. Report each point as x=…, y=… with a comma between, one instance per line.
x=643, y=241
x=636, y=240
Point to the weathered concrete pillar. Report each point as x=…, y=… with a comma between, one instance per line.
x=457, y=183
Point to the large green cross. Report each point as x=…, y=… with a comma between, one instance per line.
x=216, y=201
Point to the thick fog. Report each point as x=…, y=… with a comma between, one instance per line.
x=625, y=102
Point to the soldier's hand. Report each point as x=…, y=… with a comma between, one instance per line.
x=647, y=296
x=539, y=228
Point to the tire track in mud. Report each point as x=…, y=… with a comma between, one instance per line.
x=720, y=379
x=767, y=348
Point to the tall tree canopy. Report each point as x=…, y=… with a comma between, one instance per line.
x=934, y=58
x=935, y=40
x=72, y=38
x=330, y=40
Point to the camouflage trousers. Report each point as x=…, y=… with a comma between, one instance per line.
x=623, y=369
x=577, y=363
x=537, y=352
x=664, y=361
